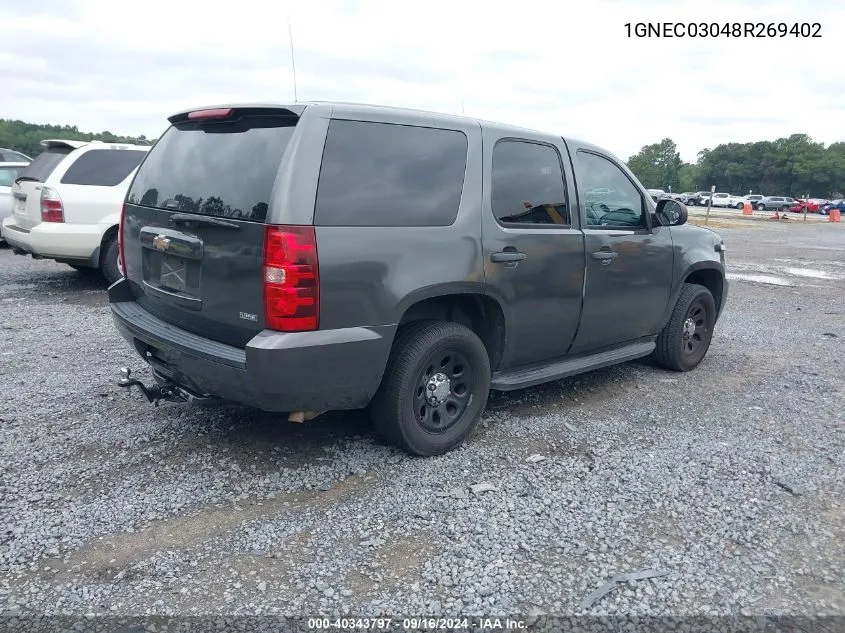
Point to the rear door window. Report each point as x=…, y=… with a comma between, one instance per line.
x=382, y=174
x=221, y=168
x=527, y=184
x=45, y=163
x=102, y=167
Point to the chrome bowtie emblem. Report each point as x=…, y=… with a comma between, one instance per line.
x=161, y=242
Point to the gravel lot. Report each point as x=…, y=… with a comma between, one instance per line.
x=730, y=478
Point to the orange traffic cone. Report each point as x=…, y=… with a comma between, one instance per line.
x=746, y=208
x=834, y=216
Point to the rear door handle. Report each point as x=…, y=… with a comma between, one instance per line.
x=507, y=256
x=605, y=257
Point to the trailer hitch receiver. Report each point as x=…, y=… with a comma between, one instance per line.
x=153, y=394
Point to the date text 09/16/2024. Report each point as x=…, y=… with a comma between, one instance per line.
x=723, y=29
x=416, y=624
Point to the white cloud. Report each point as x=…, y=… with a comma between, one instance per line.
x=561, y=67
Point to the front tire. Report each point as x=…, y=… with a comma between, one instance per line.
x=434, y=389
x=684, y=342
x=108, y=261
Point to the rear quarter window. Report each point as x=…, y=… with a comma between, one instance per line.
x=383, y=174
x=45, y=163
x=102, y=167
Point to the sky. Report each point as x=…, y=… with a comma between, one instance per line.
x=562, y=66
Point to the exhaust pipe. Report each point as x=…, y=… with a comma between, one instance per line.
x=301, y=416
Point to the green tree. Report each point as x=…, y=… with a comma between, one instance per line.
x=26, y=137
x=658, y=166
x=791, y=166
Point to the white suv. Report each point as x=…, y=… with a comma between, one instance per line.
x=66, y=204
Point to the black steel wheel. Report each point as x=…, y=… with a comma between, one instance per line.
x=684, y=342
x=434, y=388
x=444, y=390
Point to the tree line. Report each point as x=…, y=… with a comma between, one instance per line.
x=794, y=166
x=26, y=137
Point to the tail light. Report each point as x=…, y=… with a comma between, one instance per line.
x=121, y=256
x=52, y=209
x=291, y=279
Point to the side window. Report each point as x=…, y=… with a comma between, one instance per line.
x=382, y=174
x=623, y=207
x=102, y=167
x=527, y=184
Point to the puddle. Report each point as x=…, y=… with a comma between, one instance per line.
x=763, y=279
x=811, y=272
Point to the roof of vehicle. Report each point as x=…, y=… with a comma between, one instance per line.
x=342, y=109
x=13, y=151
x=14, y=163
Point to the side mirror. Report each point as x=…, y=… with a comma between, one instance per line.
x=671, y=212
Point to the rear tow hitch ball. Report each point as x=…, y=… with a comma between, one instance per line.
x=152, y=394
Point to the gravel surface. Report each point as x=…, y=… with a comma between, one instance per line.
x=727, y=480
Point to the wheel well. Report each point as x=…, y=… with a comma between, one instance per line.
x=110, y=233
x=710, y=279
x=480, y=313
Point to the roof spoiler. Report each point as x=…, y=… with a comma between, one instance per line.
x=62, y=143
x=223, y=112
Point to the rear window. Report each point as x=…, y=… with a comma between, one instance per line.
x=102, y=167
x=8, y=175
x=44, y=164
x=219, y=168
x=381, y=174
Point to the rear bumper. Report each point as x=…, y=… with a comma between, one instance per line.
x=56, y=240
x=300, y=371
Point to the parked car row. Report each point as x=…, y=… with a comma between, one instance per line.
x=65, y=205
x=818, y=205
x=758, y=201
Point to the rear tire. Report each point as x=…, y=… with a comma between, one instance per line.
x=684, y=342
x=108, y=260
x=438, y=359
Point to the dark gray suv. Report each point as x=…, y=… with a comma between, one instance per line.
x=311, y=257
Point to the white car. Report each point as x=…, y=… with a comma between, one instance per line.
x=727, y=200
x=66, y=204
x=8, y=173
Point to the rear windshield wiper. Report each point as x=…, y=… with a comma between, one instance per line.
x=187, y=218
x=28, y=178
